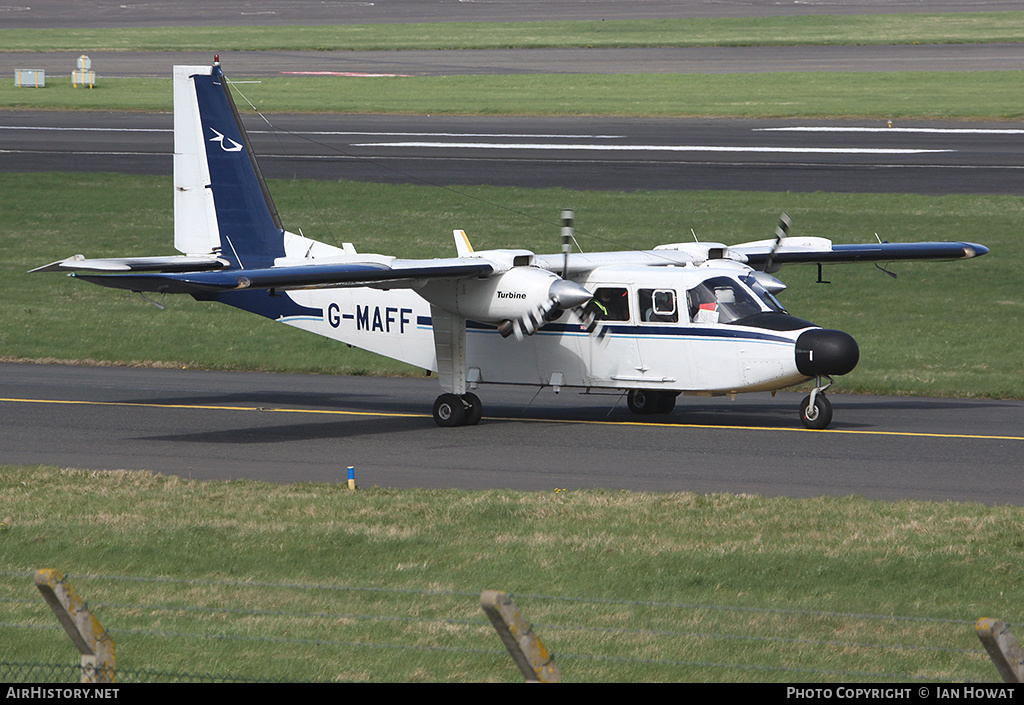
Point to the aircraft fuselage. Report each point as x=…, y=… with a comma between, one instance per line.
x=698, y=330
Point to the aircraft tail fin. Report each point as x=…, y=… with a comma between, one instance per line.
x=221, y=202
x=462, y=245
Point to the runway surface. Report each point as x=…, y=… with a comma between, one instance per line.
x=289, y=428
x=581, y=153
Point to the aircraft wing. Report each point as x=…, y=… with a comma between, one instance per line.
x=200, y=283
x=821, y=251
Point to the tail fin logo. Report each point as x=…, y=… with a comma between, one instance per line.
x=235, y=147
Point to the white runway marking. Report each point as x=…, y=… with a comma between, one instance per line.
x=905, y=130
x=649, y=148
x=490, y=135
x=577, y=146
x=84, y=129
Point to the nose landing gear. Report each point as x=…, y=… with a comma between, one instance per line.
x=816, y=409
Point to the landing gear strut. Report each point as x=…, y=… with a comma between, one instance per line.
x=455, y=410
x=816, y=409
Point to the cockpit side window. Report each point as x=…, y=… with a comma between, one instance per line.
x=720, y=300
x=657, y=305
x=610, y=303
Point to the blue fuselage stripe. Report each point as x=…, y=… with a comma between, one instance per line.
x=634, y=331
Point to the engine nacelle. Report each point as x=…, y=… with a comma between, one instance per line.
x=522, y=295
x=507, y=296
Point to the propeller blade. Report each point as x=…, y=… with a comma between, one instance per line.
x=783, y=227
x=568, y=217
x=781, y=230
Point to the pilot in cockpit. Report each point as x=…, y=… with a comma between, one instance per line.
x=609, y=304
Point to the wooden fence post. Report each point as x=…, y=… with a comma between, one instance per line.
x=532, y=657
x=1002, y=648
x=88, y=635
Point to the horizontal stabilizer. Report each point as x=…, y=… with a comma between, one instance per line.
x=171, y=263
x=298, y=277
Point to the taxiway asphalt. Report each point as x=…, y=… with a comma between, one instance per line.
x=292, y=428
x=493, y=62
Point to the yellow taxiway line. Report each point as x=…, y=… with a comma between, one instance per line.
x=645, y=424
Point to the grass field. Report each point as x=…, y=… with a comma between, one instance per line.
x=940, y=95
x=316, y=582
x=917, y=28
x=918, y=334
x=983, y=95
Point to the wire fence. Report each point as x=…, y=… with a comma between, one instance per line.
x=15, y=672
x=175, y=630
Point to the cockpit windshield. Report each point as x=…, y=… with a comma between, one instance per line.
x=724, y=300
x=767, y=297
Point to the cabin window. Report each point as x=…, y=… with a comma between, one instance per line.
x=658, y=305
x=610, y=303
x=720, y=300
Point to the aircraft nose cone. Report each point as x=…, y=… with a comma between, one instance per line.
x=826, y=352
x=568, y=294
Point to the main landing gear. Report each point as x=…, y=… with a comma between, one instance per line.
x=458, y=410
x=647, y=401
x=816, y=409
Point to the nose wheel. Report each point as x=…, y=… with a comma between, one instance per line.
x=816, y=409
x=458, y=410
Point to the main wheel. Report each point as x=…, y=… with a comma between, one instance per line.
x=449, y=410
x=474, y=409
x=641, y=401
x=645, y=401
x=667, y=403
x=818, y=416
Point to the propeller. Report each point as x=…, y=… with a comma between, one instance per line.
x=562, y=294
x=781, y=230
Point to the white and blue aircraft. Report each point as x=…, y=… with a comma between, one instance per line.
x=692, y=318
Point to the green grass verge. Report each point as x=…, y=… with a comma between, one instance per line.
x=973, y=27
x=940, y=95
x=940, y=329
x=316, y=582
